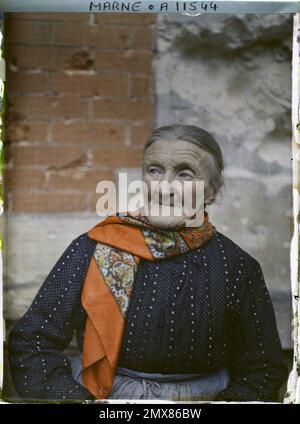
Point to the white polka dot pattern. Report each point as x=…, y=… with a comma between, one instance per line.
x=38, y=367
x=191, y=313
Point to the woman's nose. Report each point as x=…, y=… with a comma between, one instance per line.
x=165, y=193
x=165, y=187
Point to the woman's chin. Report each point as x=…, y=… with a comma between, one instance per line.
x=166, y=221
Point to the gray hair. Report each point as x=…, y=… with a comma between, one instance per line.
x=197, y=136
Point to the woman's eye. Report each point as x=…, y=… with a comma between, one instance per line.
x=153, y=171
x=185, y=175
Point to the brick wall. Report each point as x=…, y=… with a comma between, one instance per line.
x=80, y=92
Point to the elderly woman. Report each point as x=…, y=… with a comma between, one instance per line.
x=161, y=309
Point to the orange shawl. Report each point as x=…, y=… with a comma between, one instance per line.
x=122, y=241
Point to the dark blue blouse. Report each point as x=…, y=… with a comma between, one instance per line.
x=192, y=313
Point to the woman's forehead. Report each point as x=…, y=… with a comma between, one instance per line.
x=175, y=151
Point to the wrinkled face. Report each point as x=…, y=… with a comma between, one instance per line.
x=169, y=161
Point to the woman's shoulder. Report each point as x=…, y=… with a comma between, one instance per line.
x=81, y=247
x=82, y=241
x=233, y=251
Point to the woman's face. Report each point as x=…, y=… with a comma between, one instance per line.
x=166, y=162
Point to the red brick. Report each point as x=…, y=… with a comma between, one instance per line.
x=48, y=156
x=123, y=109
x=87, y=35
x=105, y=84
x=117, y=158
x=94, y=133
x=80, y=60
x=141, y=87
x=128, y=60
x=28, y=32
x=142, y=39
x=25, y=130
x=121, y=43
x=66, y=17
x=139, y=134
x=48, y=202
x=24, y=82
x=78, y=180
x=23, y=179
x=49, y=106
x=142, y=19
x=40, y=57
